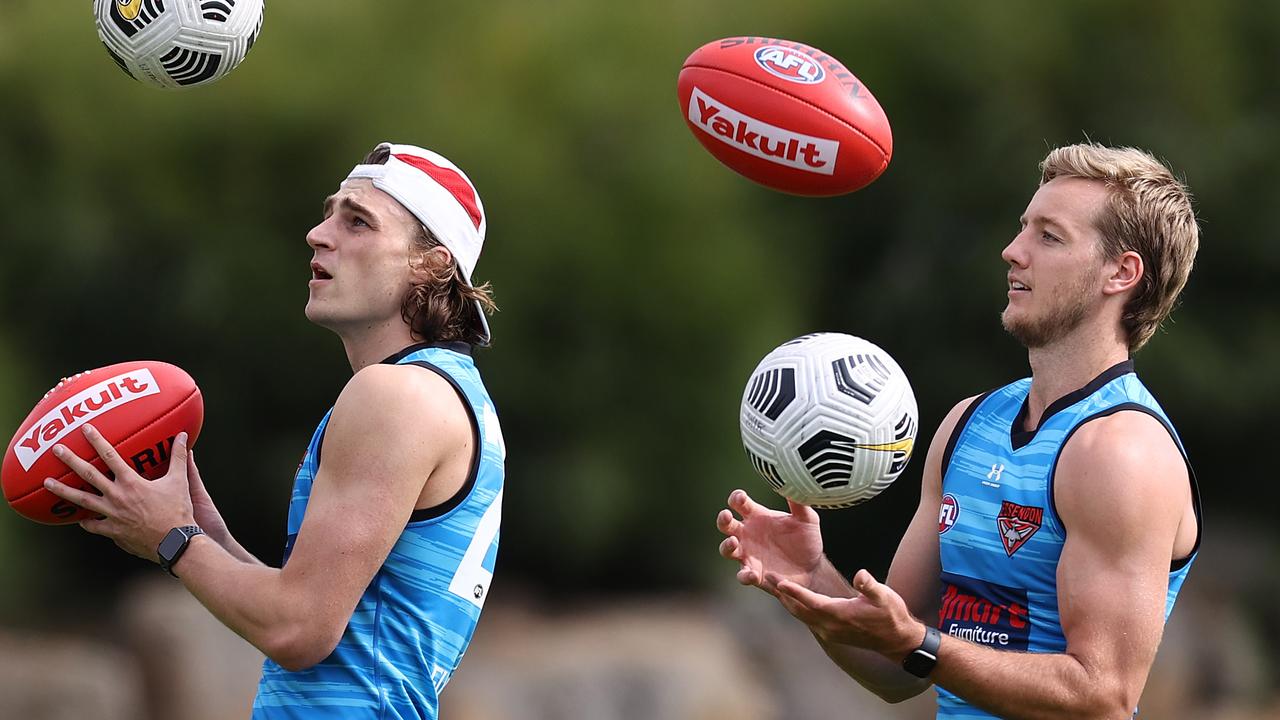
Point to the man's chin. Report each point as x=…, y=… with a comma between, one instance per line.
x=1025, y=333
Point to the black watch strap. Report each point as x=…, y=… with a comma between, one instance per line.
x=923, y=659
x=175, y=544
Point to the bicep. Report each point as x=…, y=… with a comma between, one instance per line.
x=369, y=479
x=1119, y=491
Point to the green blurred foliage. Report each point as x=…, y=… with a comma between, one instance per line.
x=639, y=280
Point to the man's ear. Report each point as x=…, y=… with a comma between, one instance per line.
x=430, y=263
x=1126, y=271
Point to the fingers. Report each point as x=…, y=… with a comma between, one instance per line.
x=802, y=595
x=742, y=503
x=83, y=468
x=727, y=523
x=731, y=549
x=97, y=527
x=86, y=500
x=115, y=463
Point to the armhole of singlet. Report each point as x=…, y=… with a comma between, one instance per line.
x=1174, y=565
x=436, y=511
x=957, y=430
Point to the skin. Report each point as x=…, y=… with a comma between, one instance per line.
x=1121, y=490
x=360, y=499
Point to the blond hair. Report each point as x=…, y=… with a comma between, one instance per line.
x=1150, y=213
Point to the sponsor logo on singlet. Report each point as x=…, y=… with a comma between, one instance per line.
x=984, y=613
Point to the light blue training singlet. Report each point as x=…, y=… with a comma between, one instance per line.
x=999, y=533
x=416, y=618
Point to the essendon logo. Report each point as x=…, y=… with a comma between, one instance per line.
x=1017, y=523
x=789, y=64
x=80, y=409
x=756, y=137
x=984, y=613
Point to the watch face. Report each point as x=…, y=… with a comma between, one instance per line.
x=171, y=543
x=919, y=663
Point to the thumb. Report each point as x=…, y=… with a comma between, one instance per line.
x=874, y=591
x=803, y=512
x=178, y=456
x=193, y=473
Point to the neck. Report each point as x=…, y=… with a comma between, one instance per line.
x=371, y=344
x=1068, y=365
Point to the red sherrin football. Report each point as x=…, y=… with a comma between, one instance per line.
x=139, y=407
x=785, y=115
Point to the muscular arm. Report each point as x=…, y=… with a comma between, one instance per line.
x=1121, y=489
x=370, y=478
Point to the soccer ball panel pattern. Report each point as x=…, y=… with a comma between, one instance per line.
x=178, y=43
x=828, y=420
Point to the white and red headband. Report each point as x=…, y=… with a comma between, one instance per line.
x=440, y=196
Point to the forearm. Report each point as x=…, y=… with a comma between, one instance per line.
x=255, y=601
x=1028, y=686
x=870, y=669
x=223, y=537
x=875, y=672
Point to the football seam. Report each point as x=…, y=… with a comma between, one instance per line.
x=140, y=430
x=883, y=154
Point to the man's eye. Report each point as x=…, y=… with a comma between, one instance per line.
x=1049, y=237
x=359, y=221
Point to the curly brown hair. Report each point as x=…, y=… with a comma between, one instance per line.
x=444, y=308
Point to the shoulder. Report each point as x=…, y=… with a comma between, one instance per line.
x=383, y=396
x=1124, y=463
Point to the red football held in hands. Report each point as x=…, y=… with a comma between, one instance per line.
x=785, y=115
x=139, y=407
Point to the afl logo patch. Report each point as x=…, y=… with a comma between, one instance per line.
x=789, y=64
x=947, y=513
x=129, y=9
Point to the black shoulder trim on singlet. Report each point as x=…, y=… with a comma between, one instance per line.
x=1174, y=565
x=959, y=428
x=1019, y=438
x=458, y=347
x=436, y=511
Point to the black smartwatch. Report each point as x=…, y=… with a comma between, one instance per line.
x=922, y=660
x=174, y=544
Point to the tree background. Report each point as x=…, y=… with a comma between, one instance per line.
x=639, y=280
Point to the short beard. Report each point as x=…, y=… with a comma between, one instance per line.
x=1057, y=324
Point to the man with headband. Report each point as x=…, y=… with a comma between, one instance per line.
x=393, y=521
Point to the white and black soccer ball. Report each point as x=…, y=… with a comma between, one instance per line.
x=178, y=43
x=828, y=420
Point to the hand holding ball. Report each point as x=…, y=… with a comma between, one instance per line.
x=139, y=407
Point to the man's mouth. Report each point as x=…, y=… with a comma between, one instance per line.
x=319, y=273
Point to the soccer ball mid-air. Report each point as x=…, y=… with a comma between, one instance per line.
x=178, y=43
x=828, y=420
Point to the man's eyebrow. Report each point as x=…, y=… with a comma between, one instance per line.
x=349, y=205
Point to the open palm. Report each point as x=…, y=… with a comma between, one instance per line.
x=769, y=545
